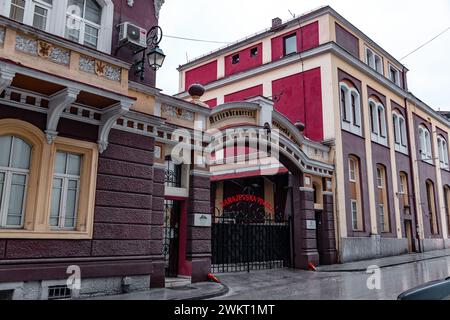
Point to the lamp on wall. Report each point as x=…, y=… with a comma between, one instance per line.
x=155, y=56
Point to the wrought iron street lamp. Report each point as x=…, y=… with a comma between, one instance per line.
x=155, y=56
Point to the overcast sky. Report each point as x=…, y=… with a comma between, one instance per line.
x=399, y=26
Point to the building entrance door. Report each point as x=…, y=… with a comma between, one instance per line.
x=171, y=237
x=409, y=235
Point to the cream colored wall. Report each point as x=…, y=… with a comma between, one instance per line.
x=145, y=103
x=70, y=72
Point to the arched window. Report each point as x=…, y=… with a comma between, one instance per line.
x=432, y=218
x=400, y=135
x=383, y=210
x=425, y=144
x=350, y=108
x=378, y=121
x=15, y=159
x=355, y=194
x=443, y=152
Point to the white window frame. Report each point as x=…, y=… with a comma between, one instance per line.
x=355, y=213
x=375, y=61
x=443, y=152
x=425, y=144
x=30, y=5
x=66, y=178
x=378, y=130
x=58, y=17
x=380, y=178
x=400, y=132
x=6, y=194
x=397, y=71
x=352, y=118
x=352, y=170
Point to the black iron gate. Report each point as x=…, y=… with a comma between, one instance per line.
x=171, y=237
x=245, y=239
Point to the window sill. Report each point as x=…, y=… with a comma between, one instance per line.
x=59, y=235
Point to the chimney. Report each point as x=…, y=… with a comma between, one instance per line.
x=276, y=22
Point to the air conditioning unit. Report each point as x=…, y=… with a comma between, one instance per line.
x=132, y=35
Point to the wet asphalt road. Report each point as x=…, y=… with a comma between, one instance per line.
x=306, y=285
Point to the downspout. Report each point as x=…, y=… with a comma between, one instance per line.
x=411, y=163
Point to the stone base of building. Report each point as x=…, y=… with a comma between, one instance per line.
x=93, y=287
x=357, y=249
x=435, y=244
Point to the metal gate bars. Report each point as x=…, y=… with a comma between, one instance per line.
x=245, y=238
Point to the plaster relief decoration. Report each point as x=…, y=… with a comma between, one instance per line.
x=2, y=36
x=87, y=64
x=100, y=68
x=52, y=53
x=27, y=45
x=173, y=112
x=60, y=55
x=113, y=73
x=158, y=5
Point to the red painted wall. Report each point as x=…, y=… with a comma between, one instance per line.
x=244, y=94
x=307, y=38
x=246, y=61
x=291, y=96
x=203, y=74
x=212, y=103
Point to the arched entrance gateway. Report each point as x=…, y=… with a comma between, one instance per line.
x=271, y=191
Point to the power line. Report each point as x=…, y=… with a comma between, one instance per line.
x=426, y=43
x=196, y=40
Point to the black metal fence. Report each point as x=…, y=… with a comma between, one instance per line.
x=171, y=237
x=245, y=239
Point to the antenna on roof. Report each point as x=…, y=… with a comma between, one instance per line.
x=187, y=58
x=292, y=14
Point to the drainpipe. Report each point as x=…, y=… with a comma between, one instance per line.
x=411, y=163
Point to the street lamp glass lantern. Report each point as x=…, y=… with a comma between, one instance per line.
x=156, y=58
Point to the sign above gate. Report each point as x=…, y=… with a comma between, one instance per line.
x=202, y=220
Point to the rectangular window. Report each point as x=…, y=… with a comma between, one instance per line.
x=66, y=188
x=254, y=52
x=379, y=178
x=235, y=59
x=344, y=105
x=290, y=44
x=17, y=10
x=352, y=170
x=40, y=18
x=354, y=207
x=374, y=61
x=394, y=75
x=90, y=36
